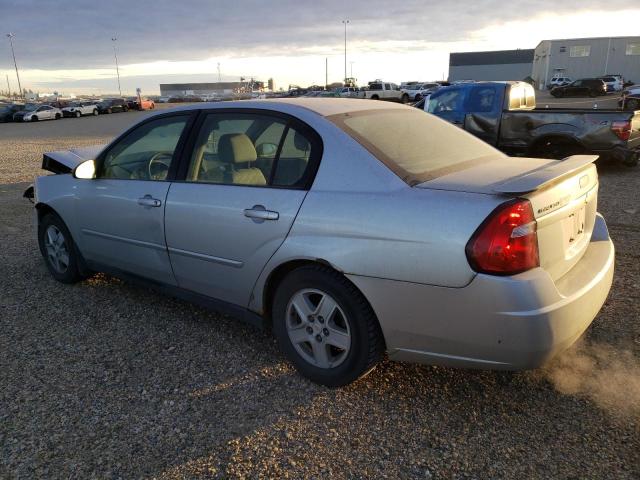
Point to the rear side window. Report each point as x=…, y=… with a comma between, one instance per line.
x=415, y=146
x=482, y=99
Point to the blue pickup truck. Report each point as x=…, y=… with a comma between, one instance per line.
x=504, y=114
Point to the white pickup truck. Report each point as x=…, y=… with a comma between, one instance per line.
x=380, y=90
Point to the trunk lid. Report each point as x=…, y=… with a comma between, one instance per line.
x=563, y=195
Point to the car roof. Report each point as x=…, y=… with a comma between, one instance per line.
x=323, y=106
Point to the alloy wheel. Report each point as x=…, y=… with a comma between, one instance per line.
x=318, y=328
x=56, y=248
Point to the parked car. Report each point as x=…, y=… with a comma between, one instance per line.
x=585, y=87
x=503, y=114
x=349, y=92
x=35, y=112
x=7, y=111
x=630, y=102
x=380, y=90
x=164, y=99
x=78, y=109
x=559, y=81
x=462, y=256
x=426, y=90
x=112, y=105
x=613, y=84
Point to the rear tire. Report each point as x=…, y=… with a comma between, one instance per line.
x=332, y=351
x=417, y=98
x=632, y=104
x=375, y=97
x=95, y=112
x=404, y=98
x=58, y=249
x=125, y=109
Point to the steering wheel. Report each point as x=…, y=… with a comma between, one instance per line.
x=159, y=165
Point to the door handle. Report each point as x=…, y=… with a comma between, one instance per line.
x=258, y=212
x=149, y=201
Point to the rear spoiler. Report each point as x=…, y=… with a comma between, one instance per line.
x=546, y=176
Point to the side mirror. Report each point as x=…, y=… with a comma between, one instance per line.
x=86, y=170
x=266, y=149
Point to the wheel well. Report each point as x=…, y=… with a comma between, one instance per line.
x=556, y=139
x=43, y=209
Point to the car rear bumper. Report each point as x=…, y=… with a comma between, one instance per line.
x=626, y=155
x=503, y=323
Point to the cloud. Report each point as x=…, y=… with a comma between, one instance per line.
x=75, y=34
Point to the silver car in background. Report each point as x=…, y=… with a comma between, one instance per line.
x=351, y=228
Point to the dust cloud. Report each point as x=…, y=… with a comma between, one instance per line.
x=608, y=376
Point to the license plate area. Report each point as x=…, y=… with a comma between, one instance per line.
x=574, y=227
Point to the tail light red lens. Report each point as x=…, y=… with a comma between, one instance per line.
x=507, y=242
x=622, y=129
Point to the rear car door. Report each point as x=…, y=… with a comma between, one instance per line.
x=120, y=213
x=247, y=176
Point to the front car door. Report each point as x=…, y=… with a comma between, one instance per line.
x=483, y=106
x=120, y=213
x=247, y=177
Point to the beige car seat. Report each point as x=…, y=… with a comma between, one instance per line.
x=237, y=150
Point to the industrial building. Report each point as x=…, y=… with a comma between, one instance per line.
x=586, y=58
x=496, y=65
x=215, y=88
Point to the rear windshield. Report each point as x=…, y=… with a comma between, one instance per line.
x=415, y=145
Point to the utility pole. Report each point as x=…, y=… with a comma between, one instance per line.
x=219, y=76
x=351, y=65
x=326, y=72
x=11, y=35
x=345, y=48
x=115, y=55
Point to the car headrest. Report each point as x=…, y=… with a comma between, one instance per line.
x=300, y=141
x=236, y=148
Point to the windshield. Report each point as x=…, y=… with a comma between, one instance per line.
x=415, y=146
x=30, y=106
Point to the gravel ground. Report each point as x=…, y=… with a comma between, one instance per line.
x=105, y=379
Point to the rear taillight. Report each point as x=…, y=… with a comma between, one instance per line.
x=622, y=129
x=506, y=243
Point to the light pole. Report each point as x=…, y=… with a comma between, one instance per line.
x=351, y=66
x=11, y=35
x=345, y=48
x=115, y=55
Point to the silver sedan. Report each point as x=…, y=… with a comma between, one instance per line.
x=350, y=228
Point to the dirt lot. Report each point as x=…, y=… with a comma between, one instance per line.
x=108, y=380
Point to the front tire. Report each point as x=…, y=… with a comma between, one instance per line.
x=325, y=326
x=405, y=98
x=95, y=112
x=58, y=249
x=34, y=118
x=632, y=104
x=78, y=114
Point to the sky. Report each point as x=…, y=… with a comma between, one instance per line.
x=66, y=45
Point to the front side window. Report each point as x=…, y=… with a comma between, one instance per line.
x=250, y=149
x=580, y=51
x=447, y=101
x=146, y=152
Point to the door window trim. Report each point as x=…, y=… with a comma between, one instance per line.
x=314, y=138
x=177, y=152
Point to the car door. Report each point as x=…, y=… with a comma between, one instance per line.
x=483, y=104
x=120, y=213
x=247, y=177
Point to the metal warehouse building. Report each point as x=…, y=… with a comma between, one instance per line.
x=496, y=65
x=587, y=57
